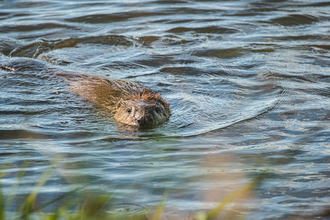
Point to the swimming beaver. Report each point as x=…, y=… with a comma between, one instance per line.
x=131, y=103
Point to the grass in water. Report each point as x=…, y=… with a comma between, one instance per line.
x=75, y=205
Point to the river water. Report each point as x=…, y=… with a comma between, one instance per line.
x=248, y=84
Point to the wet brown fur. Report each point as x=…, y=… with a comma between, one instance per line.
x=117, y=95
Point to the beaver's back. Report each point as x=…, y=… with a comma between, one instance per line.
x=103, y=92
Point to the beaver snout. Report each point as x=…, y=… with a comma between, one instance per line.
x=142, y=115
x=143, y=121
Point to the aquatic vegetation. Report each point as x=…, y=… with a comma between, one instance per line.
x=80, y=203
x=75, y=204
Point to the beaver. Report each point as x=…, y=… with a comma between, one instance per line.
x=131, y=103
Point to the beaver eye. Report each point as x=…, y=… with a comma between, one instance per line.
x=129, y=110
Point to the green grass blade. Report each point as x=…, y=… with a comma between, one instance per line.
x=14, y=188
x=160, y=207
x=239, y=193
x=28, y=205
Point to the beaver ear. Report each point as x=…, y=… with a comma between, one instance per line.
x=161, y=102
x=165, y=104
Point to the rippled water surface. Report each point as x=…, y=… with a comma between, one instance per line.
x=248, y=83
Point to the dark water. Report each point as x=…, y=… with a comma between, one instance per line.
x=248, y=83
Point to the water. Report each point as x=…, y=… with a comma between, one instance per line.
x=248, y=84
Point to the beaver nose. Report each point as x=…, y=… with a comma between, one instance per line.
x=142, y=121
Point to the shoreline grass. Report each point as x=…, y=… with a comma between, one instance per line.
x=80, y=204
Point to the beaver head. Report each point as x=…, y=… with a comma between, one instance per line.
x=142, y=109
